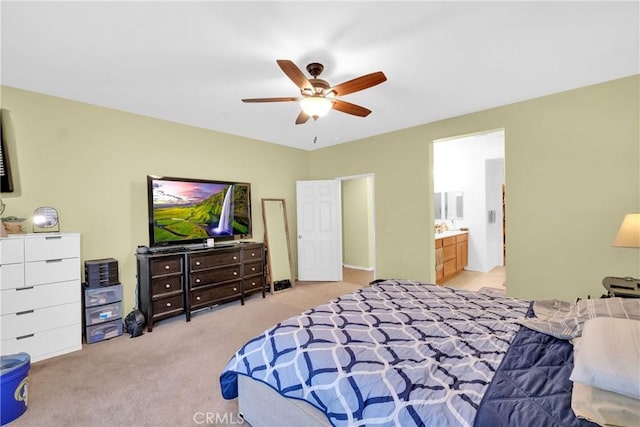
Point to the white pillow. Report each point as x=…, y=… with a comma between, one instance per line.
x=604, y=407
x=608, y=355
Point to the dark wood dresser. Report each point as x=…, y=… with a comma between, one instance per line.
x=183, y=281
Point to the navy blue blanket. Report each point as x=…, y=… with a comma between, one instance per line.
x=531, y=387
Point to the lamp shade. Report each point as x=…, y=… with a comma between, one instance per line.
x=629, y=233
x=315, y=106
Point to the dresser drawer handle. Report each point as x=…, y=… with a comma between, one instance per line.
x=253, y=254
x=168, y=304
x=235, y=258
x=253, y=269
x=167, y=267
x=253, y=283
x=168, y=285
x=235, y=289
x=197, y=262
x=26, y=288
x=235, y=273
x=52, y=237
x=53, y=260
x=197, y=298
x=20, y=313
x=26, y=336
x=197, y=280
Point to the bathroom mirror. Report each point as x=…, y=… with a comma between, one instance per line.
x=276, y=240
x=437, y=204
x=453, y=203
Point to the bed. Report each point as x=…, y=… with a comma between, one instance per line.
x=406, y=353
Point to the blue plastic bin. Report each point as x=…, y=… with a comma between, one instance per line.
x=14, y=386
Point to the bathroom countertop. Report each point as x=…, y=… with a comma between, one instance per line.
x=450, y=233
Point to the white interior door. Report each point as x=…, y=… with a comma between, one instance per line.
x=319, y=230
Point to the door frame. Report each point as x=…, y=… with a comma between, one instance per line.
x=464, y=136
x=372, y=213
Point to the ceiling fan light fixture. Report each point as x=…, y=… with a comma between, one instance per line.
x=318, y=96
x=315, y=106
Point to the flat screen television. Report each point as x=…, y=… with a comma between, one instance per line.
x=185, y=211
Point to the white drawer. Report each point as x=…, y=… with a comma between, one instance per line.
x=31, y=298
x=52, y=246
x=46, y=344
x=51, y=271
x=11, y=276
x=39, y=320
x=11, y=250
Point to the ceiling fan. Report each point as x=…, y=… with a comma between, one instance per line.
x=318, y=96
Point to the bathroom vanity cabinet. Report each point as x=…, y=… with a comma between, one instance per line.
x=452, y=254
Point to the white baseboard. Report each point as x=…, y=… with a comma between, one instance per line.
x=355, y=267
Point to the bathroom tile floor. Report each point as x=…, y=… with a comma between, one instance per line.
x=474, y=280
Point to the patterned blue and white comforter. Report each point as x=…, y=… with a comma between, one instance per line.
x=394, y=353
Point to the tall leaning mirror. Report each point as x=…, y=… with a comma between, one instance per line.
x=276, y=240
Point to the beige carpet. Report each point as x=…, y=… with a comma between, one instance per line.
x=169, y=377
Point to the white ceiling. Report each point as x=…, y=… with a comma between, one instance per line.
x=192, y=62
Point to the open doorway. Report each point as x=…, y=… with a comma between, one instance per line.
x=358, y=230
x=335, y=228
x=472, y=166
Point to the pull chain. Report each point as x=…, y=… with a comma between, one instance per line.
x=315, y=129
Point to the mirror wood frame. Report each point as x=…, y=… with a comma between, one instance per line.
x=270, y=252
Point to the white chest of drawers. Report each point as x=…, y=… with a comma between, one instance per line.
x=40, y=294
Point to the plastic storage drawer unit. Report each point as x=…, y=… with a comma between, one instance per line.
x=103, y=295
x=103, y=313
x=104, y=331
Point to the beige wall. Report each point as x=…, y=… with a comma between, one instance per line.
x=91, y=164
x=357, y=224
x=572, y=173
x=571, y=170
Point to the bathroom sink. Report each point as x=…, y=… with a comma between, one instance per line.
x=448, y=233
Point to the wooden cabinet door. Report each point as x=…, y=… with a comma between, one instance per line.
x=439, y=263
x=462, y=255
x=465, y=254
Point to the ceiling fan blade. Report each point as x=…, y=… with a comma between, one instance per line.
x=359, y=83
x=302, y=118
x=349, y=108
x=283, y=99
x=295, y=74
